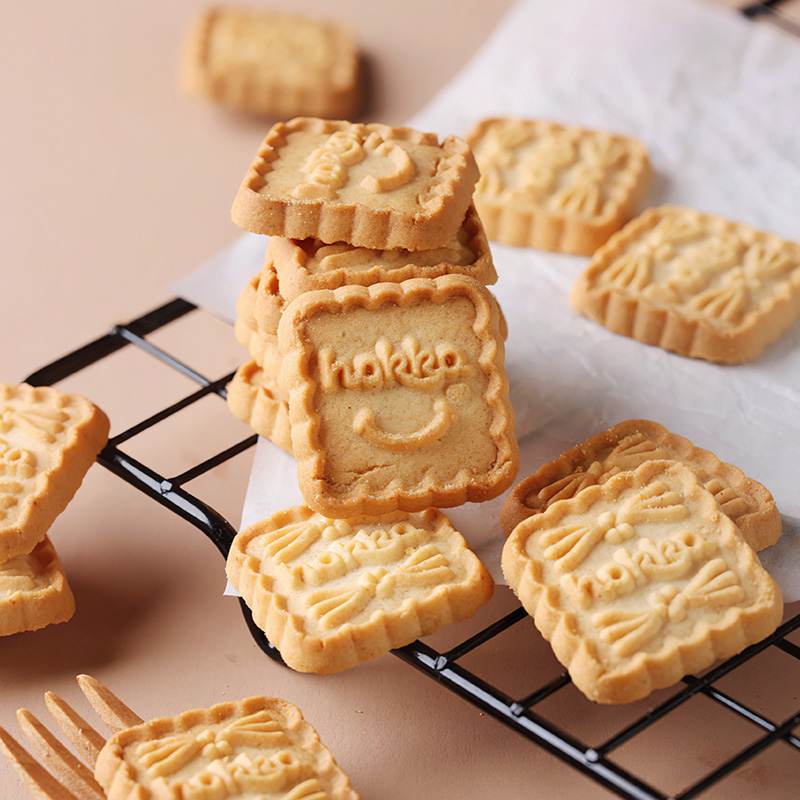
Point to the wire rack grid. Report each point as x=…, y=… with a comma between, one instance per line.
x=520, y=712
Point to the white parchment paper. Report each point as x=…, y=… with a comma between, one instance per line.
x=716, y=100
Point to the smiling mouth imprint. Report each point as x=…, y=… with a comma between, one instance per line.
x=364, y=425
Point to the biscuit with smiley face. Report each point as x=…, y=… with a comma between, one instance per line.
x=398, y=396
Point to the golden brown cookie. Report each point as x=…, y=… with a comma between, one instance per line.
x=625, y=447
x=34, y=591
x=640, y=581
x=48, y=441
x=332, y=593
x=694, y=284
x=556, y=187
x=260, y=747
x=254, y=398
x=398, y=396
x=272, y=64
x=303, y=266
x=372, y=186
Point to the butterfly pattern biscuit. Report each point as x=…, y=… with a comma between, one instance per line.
x=626, y=446
x=640, y=581
x=330, y=594
x=48, y=441
x=259, y=747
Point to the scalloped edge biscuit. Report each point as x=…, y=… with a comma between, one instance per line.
x=616, y=290
x=254, y=398
x=422, y=213
x=333, y=93
x=357, y=493
x=619, y=652
x=291, y=257
x=526, y=222
x=122, y=772
x=75, y=442
x=749, y=504
x=263, y=556
x=50, y=601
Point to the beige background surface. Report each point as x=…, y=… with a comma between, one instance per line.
x=113, y=186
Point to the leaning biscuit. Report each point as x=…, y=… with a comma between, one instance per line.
x=271, y=64
x=398, y=396
x=640, y=581
x=48, y=441
x=253, y=397
x=34, y=591
x=372, y=186
x=303, y=266
x=332, y=593
x=556, y=187
x=694, y=284
x=255, y=748
x=625, y=447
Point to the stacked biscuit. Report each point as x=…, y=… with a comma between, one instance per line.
x=48, y=440
x=378, y=360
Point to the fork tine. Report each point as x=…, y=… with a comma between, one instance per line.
x=83, y=737
x=116, y=715
x=62, y=764
x=36, y=779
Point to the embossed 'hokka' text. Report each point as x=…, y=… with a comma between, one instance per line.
x=424, y=368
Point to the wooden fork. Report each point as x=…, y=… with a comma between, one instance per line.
x=60, y=775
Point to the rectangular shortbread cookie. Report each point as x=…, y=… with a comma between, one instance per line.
x=626, y=446
x=398, y=396
x=303, y=266
x=556, y=187
x=272, y=64
x=640, y=581
x=48, y=441
x=260, y=747
x=330, y=594
x=694, y=284
x=34, y=591
x=373, y=186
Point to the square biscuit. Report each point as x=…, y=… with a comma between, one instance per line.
x=271, y=64
x=48, y=441
x=556, y=187
x=309, y=264
x=625, y=447
x=34, y=591
x=398, y=396
x=373, y=186
x=639, y=581
x=260, y=747
x=330, y=594
x=694, y=284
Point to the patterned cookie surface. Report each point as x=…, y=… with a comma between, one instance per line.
x=371, y=186
x=639, y=581
x=625, y=447
x=332, y=593
x=310, y=264
x=694, y=284
x=556, y=187
x=254, y=749
x=34, y=591
x=398, y=396
x=272, y=64
x=48, y=440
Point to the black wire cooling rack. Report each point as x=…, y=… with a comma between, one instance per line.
x=521, y=712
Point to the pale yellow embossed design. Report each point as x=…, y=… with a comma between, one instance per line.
x=410, y=365
x=730, y=501
x=654, y=503
x=291, y=541
x=715, y=584
x=402, y=172
x=336, y=606
x=36, y=421
x=426, y=566
x=308, y=790
x=634, y=450
x=17, y=468
x=365, y=426
x=629, y=631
